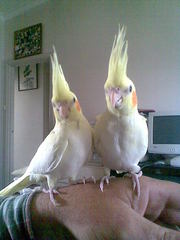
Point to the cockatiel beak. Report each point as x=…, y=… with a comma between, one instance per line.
x=64, y=110
x=115, y=97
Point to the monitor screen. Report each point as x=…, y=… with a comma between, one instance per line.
x=166, y=129
x=164, y=133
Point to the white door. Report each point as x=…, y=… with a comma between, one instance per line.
x=27, y=116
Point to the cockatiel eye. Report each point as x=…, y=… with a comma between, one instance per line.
x=74, y=100
x=130, y=88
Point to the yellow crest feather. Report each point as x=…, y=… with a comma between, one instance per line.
x=60, y=88
x=118, y=59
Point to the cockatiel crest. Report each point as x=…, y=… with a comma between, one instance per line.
x=62, y=97
x=60, y=86
x=119, y=89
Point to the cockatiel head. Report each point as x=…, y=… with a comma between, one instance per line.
x=64, y=102
x=119, y=89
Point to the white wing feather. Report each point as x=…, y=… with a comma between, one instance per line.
x=48, y=155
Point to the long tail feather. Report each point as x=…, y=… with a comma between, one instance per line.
x=16, y=186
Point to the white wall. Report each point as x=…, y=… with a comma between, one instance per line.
x=1, y=103
x=83, y=33
x=28, y=121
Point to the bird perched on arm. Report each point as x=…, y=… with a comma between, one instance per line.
x=121, y=135
x=67, y=147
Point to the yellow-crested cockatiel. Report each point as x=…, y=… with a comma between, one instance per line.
x=67, y=147
x=121, y=135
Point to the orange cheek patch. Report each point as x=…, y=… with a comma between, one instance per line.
x=78, y=106
x=134, y=99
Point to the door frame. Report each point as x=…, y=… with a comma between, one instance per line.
x=9, y=107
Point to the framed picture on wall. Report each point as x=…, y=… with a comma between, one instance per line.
x=28, y=41
x=28, y=77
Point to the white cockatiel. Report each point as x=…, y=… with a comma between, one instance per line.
x=121, y=135
x=67, y=147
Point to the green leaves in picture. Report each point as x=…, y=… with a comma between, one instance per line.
x=28, y=41
x=28, y=77
x=27, y=71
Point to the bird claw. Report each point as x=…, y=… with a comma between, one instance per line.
x=105, y=178
x=135, y=179
x=51, y=195
x=93, y=178
x=84, y=180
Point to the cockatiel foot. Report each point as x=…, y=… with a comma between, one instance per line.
x=135, y=178
x=105, y=178
x=84, y=180
x=91, y=178
x=51, y=196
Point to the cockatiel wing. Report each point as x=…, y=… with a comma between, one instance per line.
x=100, y=126
x=97, y=133
x=49, y=154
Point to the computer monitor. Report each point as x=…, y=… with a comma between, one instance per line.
x=164, y=133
